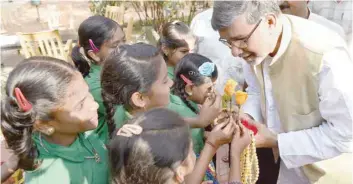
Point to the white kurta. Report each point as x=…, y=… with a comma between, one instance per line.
x=328, y=140
x=327, y=23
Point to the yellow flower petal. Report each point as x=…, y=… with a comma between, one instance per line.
x=240, y=97
x=229, y=88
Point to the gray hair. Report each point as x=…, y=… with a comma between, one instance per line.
x=224, y=12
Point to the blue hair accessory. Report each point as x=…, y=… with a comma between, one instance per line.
x=206, y=69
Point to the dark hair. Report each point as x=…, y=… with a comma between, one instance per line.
x=173, y=35
x=97, y=28
x=189, y=67
x=128, y=69
x=43, y=82
x=149, y=158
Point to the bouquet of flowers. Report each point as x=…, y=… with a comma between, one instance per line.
x=249, y=161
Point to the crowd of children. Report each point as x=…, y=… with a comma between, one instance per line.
x=123, y=114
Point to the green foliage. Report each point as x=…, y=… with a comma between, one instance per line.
x=98, y=6
x=156, y=13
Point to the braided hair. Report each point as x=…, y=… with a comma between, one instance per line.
x=189, y=68
x=128, y=69
x=43, y=81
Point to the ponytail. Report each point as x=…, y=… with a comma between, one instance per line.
x=180, y=91
x=18, y=133
x=92, y=34
x=81, y=62
x=42, y=82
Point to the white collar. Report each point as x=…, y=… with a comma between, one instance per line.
x=286, y=37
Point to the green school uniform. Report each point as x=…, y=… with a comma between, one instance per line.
x=94, y=83
x=72, y=164
x=176, y=104
x=170, y=72
x=121, y=118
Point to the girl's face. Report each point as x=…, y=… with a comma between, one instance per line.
x=110, y=45
x=158, y=96
x=78, y=110
x=175, y=55
x=200, y=93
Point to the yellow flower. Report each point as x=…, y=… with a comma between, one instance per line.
x=240, y=97
x=229, y=88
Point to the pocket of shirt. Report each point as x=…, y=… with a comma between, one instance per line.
x=305, y=121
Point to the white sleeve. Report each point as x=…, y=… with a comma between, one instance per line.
x=334, y=135
x=252, y=105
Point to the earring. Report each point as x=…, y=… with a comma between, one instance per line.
x=49, y=131
x=189, y=94
x=179, y=179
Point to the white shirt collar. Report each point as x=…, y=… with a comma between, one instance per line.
x=286, y=37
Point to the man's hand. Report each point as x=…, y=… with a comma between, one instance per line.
x=265, y=138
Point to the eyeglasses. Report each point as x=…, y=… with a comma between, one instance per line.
x=243, y=43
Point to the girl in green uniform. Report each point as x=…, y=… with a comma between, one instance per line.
x=176, y=40
x=194, y=82
x=45, y=115
x=134, y=76
x=98, y=37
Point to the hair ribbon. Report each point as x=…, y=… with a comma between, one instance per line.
x=129, y=130
x=207, y=68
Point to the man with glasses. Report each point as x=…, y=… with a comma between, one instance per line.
x=299, y=77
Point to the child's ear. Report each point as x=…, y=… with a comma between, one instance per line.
x=188, y=89
x=138, y=100
x=43, y=127
x=93, y=55
x=179, y=174
x=165, y=50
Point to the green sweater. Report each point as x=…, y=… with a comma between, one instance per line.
x=176, y=104
x=60, y=164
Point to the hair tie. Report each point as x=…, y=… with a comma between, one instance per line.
x=128, y=130
x=206, y=69
x=23, y=103
x=186, y=80
x=93, y=47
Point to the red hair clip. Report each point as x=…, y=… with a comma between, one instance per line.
x=22, y=101
x=186, y=80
